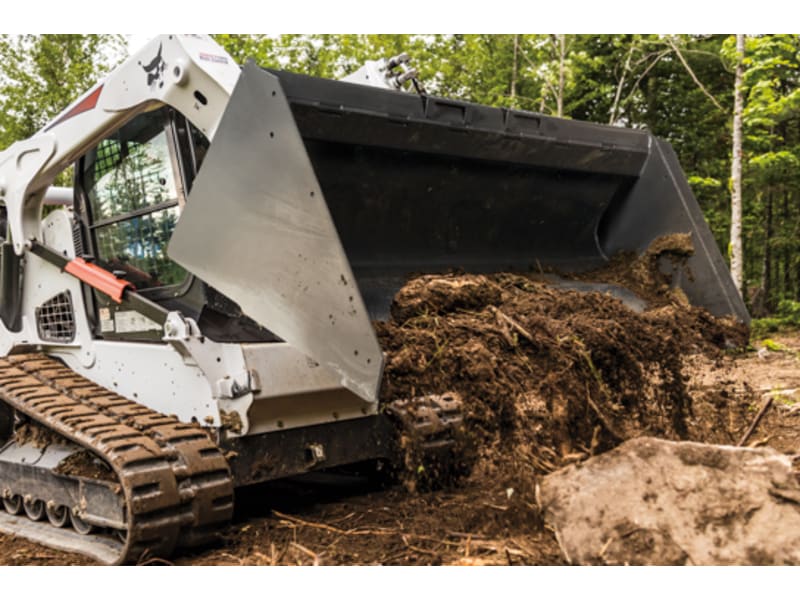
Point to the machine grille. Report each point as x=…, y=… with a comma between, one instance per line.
x=77, y=238
x=55, y=319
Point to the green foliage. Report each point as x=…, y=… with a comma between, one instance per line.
x=42, y=74
x=260, y=48
x=772, y=345
x=772, y=171
x=322, y=55
x=787, y=317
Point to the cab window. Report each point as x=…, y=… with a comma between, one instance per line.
x=131, y=187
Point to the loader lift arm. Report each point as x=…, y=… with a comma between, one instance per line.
x=119, y=290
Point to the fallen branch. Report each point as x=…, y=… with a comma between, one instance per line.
x=595, y=442
x=468, y=536
x=602, y=418
x=307, y=552
x=545, y=464
x=504, y=318
x=505, y=333
x=574, y=457
x=351, y=532
x=527, y=550
x=606, y=545
x=756, y=421
x=156, y=561
x=331, y=528
x=411, y=546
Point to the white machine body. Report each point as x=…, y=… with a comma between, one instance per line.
x=260, y=387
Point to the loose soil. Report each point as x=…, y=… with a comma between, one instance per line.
x=548, y=377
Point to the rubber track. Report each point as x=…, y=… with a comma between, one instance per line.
x=177, y=485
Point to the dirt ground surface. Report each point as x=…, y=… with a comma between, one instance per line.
x=548, y=377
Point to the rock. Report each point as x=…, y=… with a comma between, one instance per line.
x=655, y=502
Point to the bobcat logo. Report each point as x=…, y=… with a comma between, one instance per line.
x=155, y=69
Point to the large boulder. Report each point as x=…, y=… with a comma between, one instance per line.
x=655, y=502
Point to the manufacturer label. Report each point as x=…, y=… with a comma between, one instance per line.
x=129, y=321
x=214, y=58
x=106, y=323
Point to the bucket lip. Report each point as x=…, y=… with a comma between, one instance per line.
x=351, y=113
x=344, y=96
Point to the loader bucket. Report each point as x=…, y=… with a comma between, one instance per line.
x=427, y=184
x=311, y=182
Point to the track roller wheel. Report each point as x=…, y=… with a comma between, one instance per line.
x=81, y=526
x=13, y=505
x=57, y=515
x=34, y=509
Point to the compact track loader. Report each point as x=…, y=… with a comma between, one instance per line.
x=195, y=314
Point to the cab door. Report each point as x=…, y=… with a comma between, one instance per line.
x=132, y=189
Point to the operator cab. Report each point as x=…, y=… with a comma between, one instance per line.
x=130, y=190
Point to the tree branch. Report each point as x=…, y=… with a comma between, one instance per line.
x=625, y=70
x=674, y=46
x=635, y=86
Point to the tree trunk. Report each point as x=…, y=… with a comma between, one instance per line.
x=627, y=67
x=786, y=291
x=766, y=273
x=514, y=70
x=761, y=304
x=562, y=49
x=736, y=169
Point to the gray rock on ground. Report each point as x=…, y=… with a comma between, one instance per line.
x=655, y=502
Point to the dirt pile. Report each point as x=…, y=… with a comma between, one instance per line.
x=649, y=276
x=550, y=376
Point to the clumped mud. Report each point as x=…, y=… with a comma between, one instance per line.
x=85, y=464
x=650, y=276
x=82, y=463
x=231, y=421
x=30, y=432
x=550, y=376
